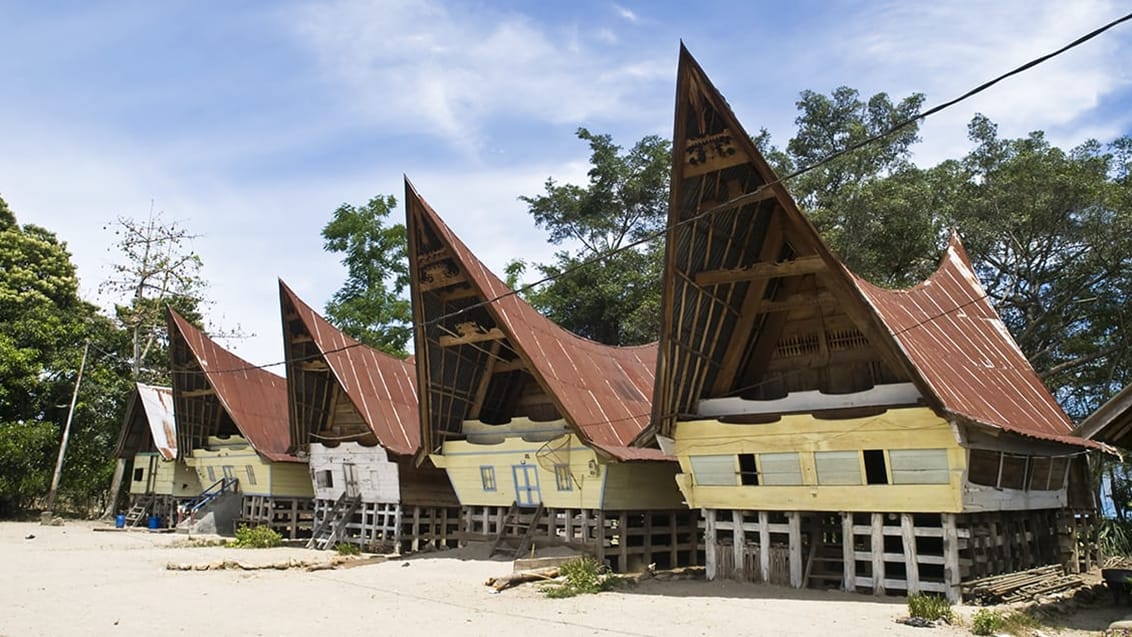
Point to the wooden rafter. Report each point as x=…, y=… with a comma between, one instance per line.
x=763, y=270
x=471, y=333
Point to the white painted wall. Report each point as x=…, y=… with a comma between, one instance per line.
x=376, y=475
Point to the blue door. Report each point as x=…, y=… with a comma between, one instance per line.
x=526, y=485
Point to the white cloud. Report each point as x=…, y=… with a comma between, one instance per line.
x=422, y=67
x=626, y=13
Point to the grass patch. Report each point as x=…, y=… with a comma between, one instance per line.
x=929, y=607
x=993, y=622
x=256, y=537
x=581, y=576
x=346, y=548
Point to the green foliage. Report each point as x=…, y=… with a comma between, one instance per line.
x=371, y=305
x=929, y=607
x=986, y=622
x=256, y=537
x=582, y=576
x=616, y=300
x=1114, y=537
x=346, y=548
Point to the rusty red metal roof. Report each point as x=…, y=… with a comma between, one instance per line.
x=149, y=418
x=381, y=387
x=604, y=392
x=255, y=399
x=961, y=349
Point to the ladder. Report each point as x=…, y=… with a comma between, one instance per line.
x=137, y=512
x=522, y=541
x=327, y=532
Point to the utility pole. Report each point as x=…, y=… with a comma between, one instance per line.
x=66, y=435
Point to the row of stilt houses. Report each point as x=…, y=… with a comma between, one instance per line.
x=794, y=424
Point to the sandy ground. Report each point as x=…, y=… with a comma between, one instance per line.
x=71, y=580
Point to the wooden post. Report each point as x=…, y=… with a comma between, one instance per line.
x=877, y=546
x=738, y=548
x=710, y=563
x=623, y=522
x=66, y=437
x=911, y=566
x=599, y=523
x=848, y=556
x=795, y=519
x=951, y=570
x=764, y=546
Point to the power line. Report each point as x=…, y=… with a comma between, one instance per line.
x=732, y=203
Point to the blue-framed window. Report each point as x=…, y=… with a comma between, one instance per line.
x=487, y=478
x=562, y=477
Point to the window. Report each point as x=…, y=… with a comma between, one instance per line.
x=139, y=474
x=748, y=473
x=1013, y=475
x=919, y=466
x=876, y=469
x=1057, y=473
x=714, y=471
x=211, y=473
x=982, y=467
x=251, y=474
x=838, y=467
x=324, y=479
x=780, y=469
x=1039, y=473
x=487, y=478
x=562, y=477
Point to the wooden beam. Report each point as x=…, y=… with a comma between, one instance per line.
x=710, y=562
x=465, y=338
x=741, y=334
x=314, y=366
x=795, y=519
x=764, y=546
x=762, y=270
x=456, y=294
x=797, y=301
x=513, y=365
x=876, y=545
x=194, y=393
x=485, y=381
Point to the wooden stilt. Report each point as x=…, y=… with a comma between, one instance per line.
x=848, y=555
x=911, y=565
x=951, y=569
x=764, y=546
x=710, y=562
x=877, y=548
x=738, y=546
x=795, y=519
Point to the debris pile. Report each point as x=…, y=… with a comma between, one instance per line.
x=1023, y=586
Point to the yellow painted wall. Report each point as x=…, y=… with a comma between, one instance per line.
x=463, y=460
x=642, y=486
x=909, y=428
x=163, y=477
x=257, y=475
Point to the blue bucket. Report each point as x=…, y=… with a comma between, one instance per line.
x=154, y=522
x=120, y=521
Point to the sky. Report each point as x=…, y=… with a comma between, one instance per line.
x=250, y=122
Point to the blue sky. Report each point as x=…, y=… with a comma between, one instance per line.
x=250, y=122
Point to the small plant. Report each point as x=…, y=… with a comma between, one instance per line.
x=929, y=607
x=986, y=622
x=346, y=548
x=256, y=537
x=582, y=576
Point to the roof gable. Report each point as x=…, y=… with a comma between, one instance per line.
x=216, y=392
x=603, y=392
x=149, y=424
x=381, y=387
x=757, y=305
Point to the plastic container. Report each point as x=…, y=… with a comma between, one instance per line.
x=120, y=521
x=154, y=522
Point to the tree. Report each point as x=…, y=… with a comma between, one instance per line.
x=43, y=324
x=158, y=269
x=371, y=305
x=616, y=300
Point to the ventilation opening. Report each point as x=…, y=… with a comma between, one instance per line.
x=139, y=475
x=748, y=473
x=875, y=470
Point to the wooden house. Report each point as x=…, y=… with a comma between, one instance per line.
x=159, y=479
x=537, y=428
x=232, y=425
x=354, y=417
x=1111, y=423
x=835, y=433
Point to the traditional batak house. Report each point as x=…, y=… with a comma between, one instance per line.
x=159, y=478
x=354, y=417
x=537, y=428
x=232, y=427
x=834, y=432
x=1111, y=423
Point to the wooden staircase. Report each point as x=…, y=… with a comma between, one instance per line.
x=328, y=531
x=519, y=541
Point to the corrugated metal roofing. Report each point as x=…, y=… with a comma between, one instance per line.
x=254, y=398
x=605, y=392
x=381, y=387
x=962, y=350
x=153, y=406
